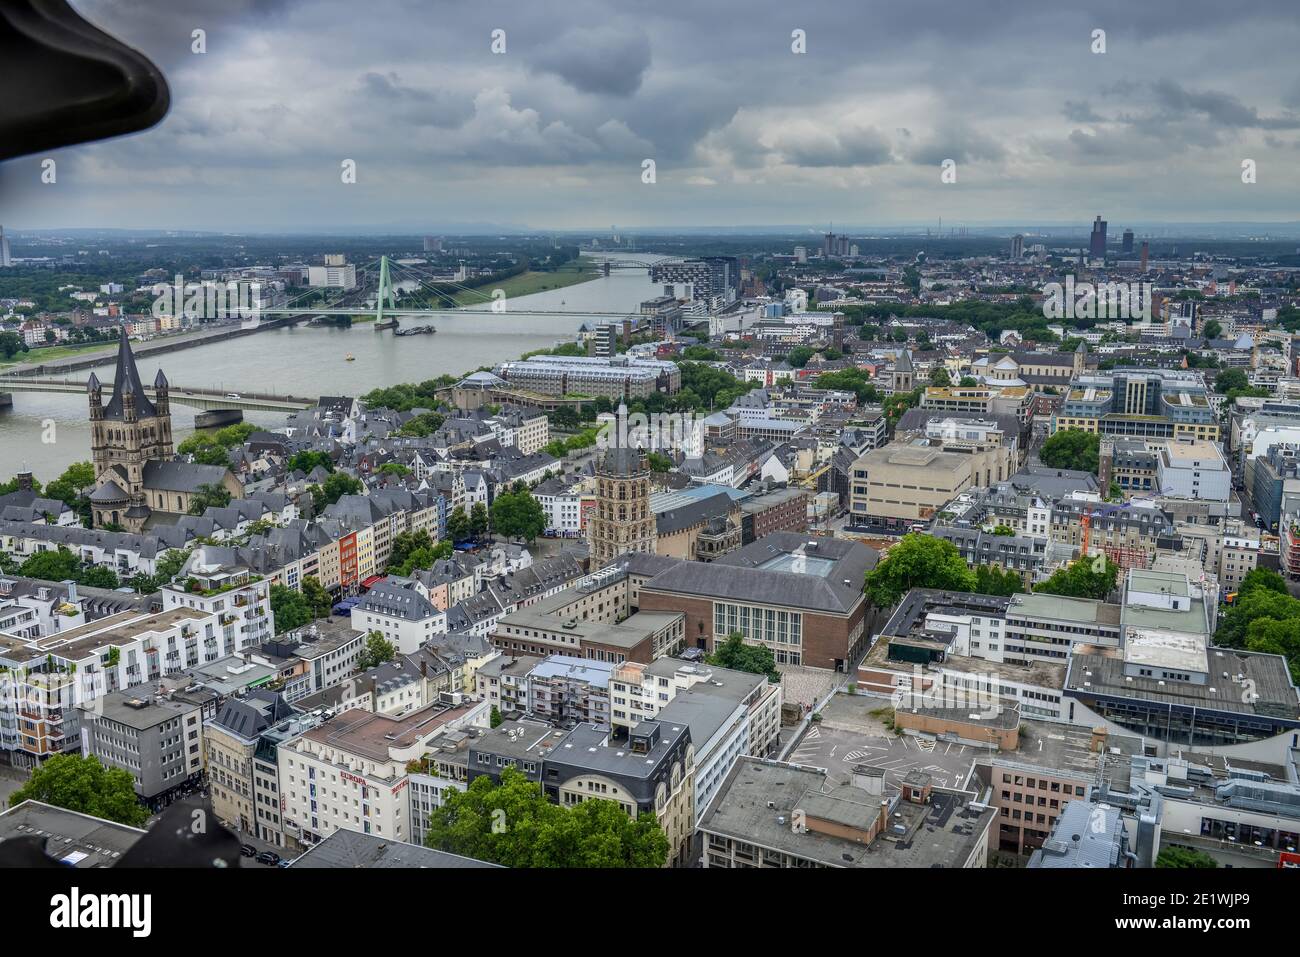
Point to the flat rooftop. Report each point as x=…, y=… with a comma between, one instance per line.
x=1049, y=746
x=351, y=849
x=75, y=644
x=1100, y=671
x=75, y=839
x=371, y=735
x=758, y=798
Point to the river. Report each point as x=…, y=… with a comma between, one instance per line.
x=306, y=360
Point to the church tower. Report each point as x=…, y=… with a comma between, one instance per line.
x=622, y=521
x=126, y=432
x=904, y=373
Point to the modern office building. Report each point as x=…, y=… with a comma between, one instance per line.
x=1097, y=241
x=1139, y=403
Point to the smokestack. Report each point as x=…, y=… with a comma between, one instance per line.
x=1144, y=255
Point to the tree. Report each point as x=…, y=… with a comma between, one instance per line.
x=318, y=599
x=97, y=576
x=1184, y=857
x=940, y=377
x=426, y=423
x=376, y=651
x=84, y=785
x=1087, y=577
x=1212, y=329
x=289, y=608
x=966, y=381
x=917, y=561
x=799, y=356
x=478, y=520
x=536, y=833
x=990, y=580
x=1263, y=578
x=740, y=655
x=306, y=461
x=1231, y=380
x=336, y=486
x=173, y=560
x=518, y=515
x=69, y=486
x=458, y=529
x=209, y=495
x=495, y=719
x=54, y=566
x=659, y=462
x=1072, y=449
x=405, y=543
x=1003, y=530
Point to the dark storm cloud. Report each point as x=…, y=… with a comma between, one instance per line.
x=598, y=59
x=1220, y=107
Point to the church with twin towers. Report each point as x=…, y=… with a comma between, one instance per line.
x=138, y=480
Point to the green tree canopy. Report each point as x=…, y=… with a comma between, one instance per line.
x=209, y=495
x=513, y=824
x=1072, y=449
x=917, y=561
x=518, y=515
x=990, y=580
x=458, y=527
x=1087, y=577
x=1184, y=857
x=376, y=651
x=740, y=655
x=86, y=786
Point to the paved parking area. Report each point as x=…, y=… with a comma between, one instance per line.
x=11, y=780
x=849, y=735
x=807, y=686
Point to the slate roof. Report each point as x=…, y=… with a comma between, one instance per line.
x=181, y=476
x=126, y=381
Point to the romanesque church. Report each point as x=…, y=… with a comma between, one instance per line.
x=136, y=479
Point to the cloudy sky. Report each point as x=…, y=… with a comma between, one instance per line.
x=552, y=133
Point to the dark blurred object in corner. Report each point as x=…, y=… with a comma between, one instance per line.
x=67, y=82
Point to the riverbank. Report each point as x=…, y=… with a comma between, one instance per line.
x=74, y=358
x=529, y=283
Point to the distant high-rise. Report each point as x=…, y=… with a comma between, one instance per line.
x=1144, y=255
x=5, y=260
x=1097, y=242
x=432, y=244
x=1017, y=246
x=835, y=246
x=1127, y=247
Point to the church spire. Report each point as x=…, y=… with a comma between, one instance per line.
x=126, y=382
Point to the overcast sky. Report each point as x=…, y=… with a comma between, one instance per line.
x=552, y=133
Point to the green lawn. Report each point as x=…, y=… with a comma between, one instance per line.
x=529, y=283
x=46, y=353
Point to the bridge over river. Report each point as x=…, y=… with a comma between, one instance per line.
x=195, y=398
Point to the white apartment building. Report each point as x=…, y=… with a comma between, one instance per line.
x=350, y=772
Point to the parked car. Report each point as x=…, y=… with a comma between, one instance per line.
x=247, y=850
x=268, y=857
